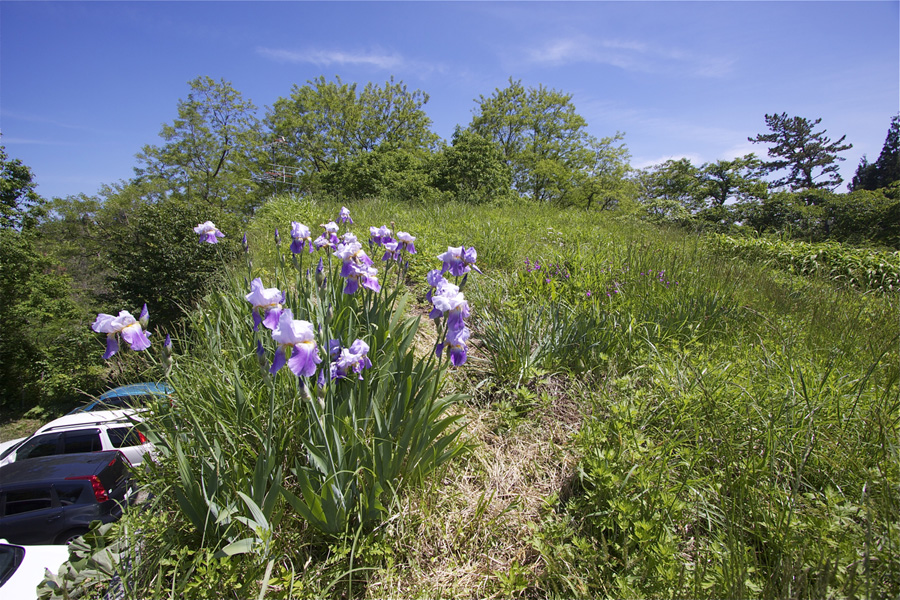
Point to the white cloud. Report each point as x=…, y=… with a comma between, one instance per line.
x=643, y=163
x=32, y=141
x=378, y=59
x=629, y=55
x=744, y=149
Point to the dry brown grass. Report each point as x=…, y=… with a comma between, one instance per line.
x=472, y=525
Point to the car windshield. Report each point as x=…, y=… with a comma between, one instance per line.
x=12, y=449
x=10, y=559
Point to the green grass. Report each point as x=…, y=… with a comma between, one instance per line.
x=697, y=426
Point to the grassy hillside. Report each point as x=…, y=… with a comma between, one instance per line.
x=645, y=413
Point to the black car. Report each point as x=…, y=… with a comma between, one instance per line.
x=53, y=499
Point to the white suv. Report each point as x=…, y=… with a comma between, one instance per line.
x=84, y=432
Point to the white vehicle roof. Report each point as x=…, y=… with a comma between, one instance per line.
x=100, y=417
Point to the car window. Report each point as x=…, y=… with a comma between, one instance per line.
x=75, y=442
x=11, y=449
x=121, y=437
x=68, y=493
x=27, y=500
x=39, y=445
x=10, y=559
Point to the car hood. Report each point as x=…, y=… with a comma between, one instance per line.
x=23, y=583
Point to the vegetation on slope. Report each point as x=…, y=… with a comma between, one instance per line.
x=646, y=417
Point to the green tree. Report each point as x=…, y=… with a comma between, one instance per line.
x=738, y=180
x=70, y=233
x=788, y=213
x=543, y=140
x=323, y=123
x=472, y=169
x=865, y=217
x=401, y=174
x=211, y=150
x=44, y=341
x=724, y=186
x=155, y=257
x=884, y=171
x=810, y=156
x=673, y=182
x=605, y=180
x=20, y=205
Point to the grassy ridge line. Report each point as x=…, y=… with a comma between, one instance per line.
x=865, y=269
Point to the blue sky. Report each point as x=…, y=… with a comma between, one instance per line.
x=84, y=85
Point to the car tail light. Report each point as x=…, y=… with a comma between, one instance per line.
x=142, y=437
x=99, y=493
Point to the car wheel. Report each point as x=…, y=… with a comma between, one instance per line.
x=69, y=536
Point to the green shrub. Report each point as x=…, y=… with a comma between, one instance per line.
x=865, y=269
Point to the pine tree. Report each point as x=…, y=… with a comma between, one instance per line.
x=810, y=155
x=885, y=170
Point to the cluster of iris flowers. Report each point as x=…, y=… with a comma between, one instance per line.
x=449, y=301
x=295, y=339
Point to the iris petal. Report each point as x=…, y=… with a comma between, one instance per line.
x=278, y=361
x=112, y=346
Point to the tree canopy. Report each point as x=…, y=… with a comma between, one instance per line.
x=543, y=140
x=210, y=149
x=884, y=171
x=472, y=168
x=20, y=204
x=810, y=156
x=324, y=123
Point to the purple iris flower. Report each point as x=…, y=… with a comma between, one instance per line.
x=392, y=251
x=406, y=242
x=266, y=303
x=345, y=215
x=334, y=349
x=297, y=338
x=352, y=255
x=456, y=341
x=351, y=360
x=360, y=275
x=124, y=324
x=329, y=238
x=436, y=280
x=380, y=235
x=208, y=232
x=469, y=256
x=451, y=302
x=459, y=261
x=300, y=237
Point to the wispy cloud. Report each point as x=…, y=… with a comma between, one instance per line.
x=377, y=58
x=629, y=55
x=5, y=114
x=643, y=163
x=34, y=142
x=325, y=58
